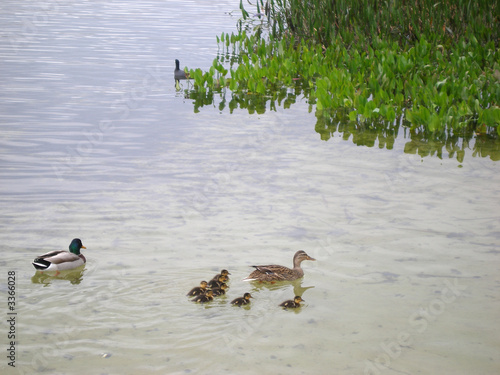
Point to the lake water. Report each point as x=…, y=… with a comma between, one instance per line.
x=96, y=143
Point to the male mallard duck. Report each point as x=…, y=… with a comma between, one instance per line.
x=60, y=260
x=217, y=283
x=178, y=73
x=202, y=298
x=279, y=273
x=219, y=290
x=196, y=291
x=224, y=273
x=245, y=300
x=291, y=304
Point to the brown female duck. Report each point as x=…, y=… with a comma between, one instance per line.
x=272, y=273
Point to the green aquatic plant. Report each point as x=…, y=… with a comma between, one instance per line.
x=380, y=75
x=436, y=88
x=361, y=21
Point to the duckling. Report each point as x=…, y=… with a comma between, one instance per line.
x=245, y=300
x=224, y=273
x=196, y=291
x=217, y=283
x=219, y=290
x=59, y=260
x=178, y=73
x=274, y=272
x=292, y=304
x=202, y=298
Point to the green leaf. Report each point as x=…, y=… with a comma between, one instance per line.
x=434, y=123
x=243, y=11
x=391, y=114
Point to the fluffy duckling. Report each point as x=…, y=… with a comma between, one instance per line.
x=272, y=273
x=224, y=273
x=292, y=304
x=245, y=300
x=219, y=290
x=202, y=298
x=60, y=260
x=217, y=283
x=196, y=291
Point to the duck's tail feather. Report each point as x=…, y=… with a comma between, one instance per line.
x=41, y=264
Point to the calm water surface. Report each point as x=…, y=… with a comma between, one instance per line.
x=97, y=144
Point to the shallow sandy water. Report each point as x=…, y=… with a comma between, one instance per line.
x=406, y=277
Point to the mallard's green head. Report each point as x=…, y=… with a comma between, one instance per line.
x=75, y=246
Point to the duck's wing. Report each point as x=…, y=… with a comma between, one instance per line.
x=194, y=292
x=273, y=269
x=270, y=272
x=213, y=284
x=286, y=303
x=58, y=257
x=215, y=278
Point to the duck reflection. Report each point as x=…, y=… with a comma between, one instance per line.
x=74, y=276
x=298, y=289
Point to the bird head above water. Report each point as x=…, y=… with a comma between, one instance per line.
x=75, y=246
x=178, y=73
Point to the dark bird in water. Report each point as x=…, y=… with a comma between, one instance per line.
x=217, y=283
x=292, y=304
x=219, y=290
x=178, y=73
x=196, y=291
x=245, y=300
x=202, y=298
x=60, y=260
x=224, y=273
x=274, y=273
